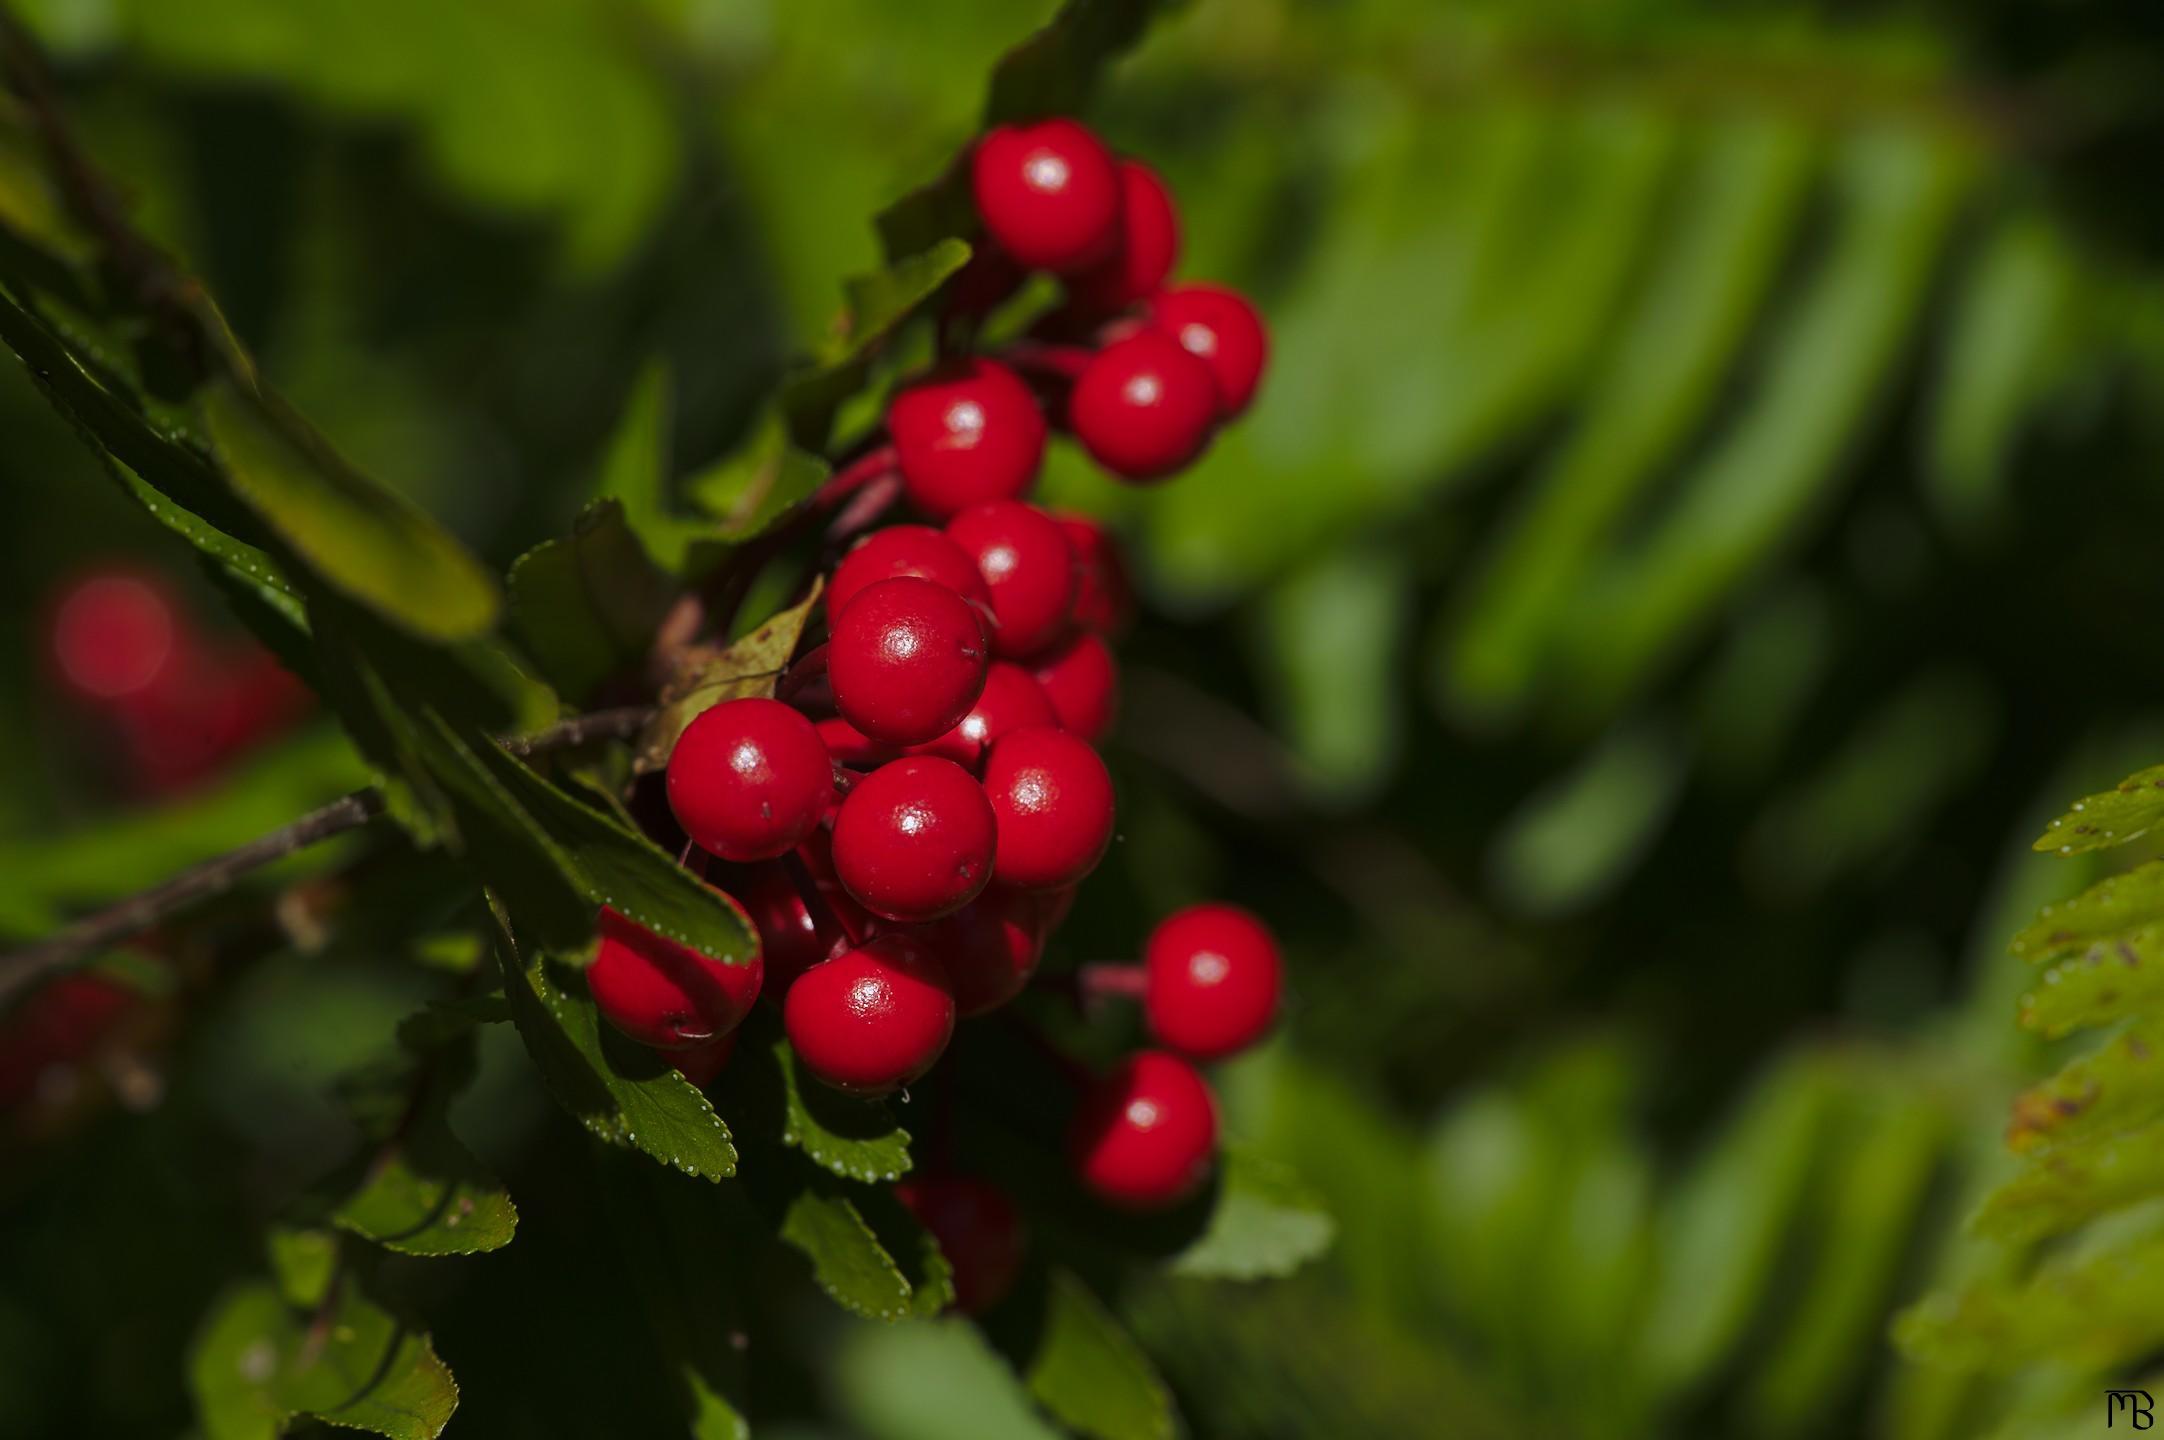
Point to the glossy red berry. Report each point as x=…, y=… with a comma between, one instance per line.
x=1149, y=245
x=116, y=636
x=1221, y=329
x=1048, y=193
x=850, y=746
x=914, y=840
x=1213, y=981
x=1082, y=683
x=749, y=778
x=906, y=660
x=1052, y=797
x=1144, y=1135
x=1104, y=599
x=873, y=1018
x=1028, y=565
x=970, y=433
x=978, y=1230
x=789, y=940
x=990, y=948
x=1143, y=406
x=919, y=550
x=702, y=1063
x=1012, y=698
x=664, y=994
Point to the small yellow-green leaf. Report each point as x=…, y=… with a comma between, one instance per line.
x=2113, y=817
x=2106, y=908
x=2113, y=978
x=706, y=676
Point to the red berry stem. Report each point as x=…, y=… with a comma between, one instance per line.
x=874, y=464
x=1109, y=979
x=864, y=510
x=802, y=671
x=833, y=929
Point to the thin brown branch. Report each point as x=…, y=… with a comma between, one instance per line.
x=215, y=876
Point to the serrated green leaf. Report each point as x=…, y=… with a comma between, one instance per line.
x=748, y=491
x=256, y=1363
x=847, y=1260
x=2079, y=1178
x=2088, y=1310
x=2125, y=812
x=365, y=541
x=623, y=1092
x=2110, y=980
x=424, y=1193
x=586, y=607
x=1088, y=1373
x=1266, y=1224
x=855, y=1139
x=2106, y=908
x=706, y=676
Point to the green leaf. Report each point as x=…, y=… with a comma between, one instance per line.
x=848, y=1262
x=1087, y=1372
x=2081, y=1177
x=256, y=1363
x=587, y=607
x=2103, y=911
x=855, y=1139
x=637, y=467
x=2115, y=977
x=879, y=303
x=748, y=491
x=2086, y=1310
x=1722, y=1234
x=623, y=1092
x=304, y=1262
x=425, y=1194
x=559, y=860
x=365, y=541
x=2113, y=817
x=1266, y=1224
x=706, y=676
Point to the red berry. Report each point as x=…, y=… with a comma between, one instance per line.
x=978, y=1232
x=1104, y=599
x=906, y=660
x=789, y=940
x=971, y=433
x=1082, y=683
x=664, y=994
x=990, y=948
x=1012, y=698
x=873, y=1018
x=116, y=636
x=914, y=840
x=1053, y=800
x=1143, y=1136
x=918, y=550
x=701, y=1063
x=1221, y=329
x=850, y=746
x=1048, y=193
x=1028, y=565
x=1214, y=977
x=1149, y=245
x=749, y=778
x=1143, y=406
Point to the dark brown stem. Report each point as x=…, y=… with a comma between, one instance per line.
x=220, y=873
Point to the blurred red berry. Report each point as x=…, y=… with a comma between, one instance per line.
x=978, y=1230
x=749, y=779
x=1081, y=681
x=1052, y=798
x=1048, y=193
x=970, y=433
x=1012, y=698
x=663, y=993
x=1213, y=981
x=914, y=839
x=1028, y=565
x=1144, y=1135
x=906, y=660
x=1149, y=245
x=871, y=1019
x=1143, y=406
x=1221, y=329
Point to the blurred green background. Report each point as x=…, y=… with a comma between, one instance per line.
x=1700, y=521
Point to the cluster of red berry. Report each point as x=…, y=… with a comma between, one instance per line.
x=183, y=704
x=907, y=822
